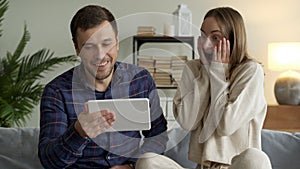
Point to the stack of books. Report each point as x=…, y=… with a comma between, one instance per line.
x=163, y=62
x=162, y=77
x=166, y=71
x=147, y=62
x=162, y=74
x=146, y=31
x=177, y=65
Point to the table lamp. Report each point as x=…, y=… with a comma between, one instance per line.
x=285, y=56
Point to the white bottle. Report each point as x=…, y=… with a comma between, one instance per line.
x=183, y=20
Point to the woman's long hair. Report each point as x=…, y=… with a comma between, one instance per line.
x=232, y=26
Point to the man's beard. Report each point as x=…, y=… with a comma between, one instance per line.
x=105, y=76
x=94, y=74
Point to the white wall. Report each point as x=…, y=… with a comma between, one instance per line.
x=48, y=22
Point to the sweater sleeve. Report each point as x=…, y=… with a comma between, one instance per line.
x=190, y=100
x=245, y=99
x=233, y=106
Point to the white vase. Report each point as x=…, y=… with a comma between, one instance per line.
x=183, y=20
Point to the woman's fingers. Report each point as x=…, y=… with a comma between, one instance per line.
x=215, y=54
x=222, y=51
x=228, y=51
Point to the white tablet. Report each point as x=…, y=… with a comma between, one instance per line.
x=131, y=114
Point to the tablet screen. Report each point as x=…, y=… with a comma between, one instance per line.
x=131, y=114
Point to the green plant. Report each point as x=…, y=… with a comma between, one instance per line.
x=20, y=86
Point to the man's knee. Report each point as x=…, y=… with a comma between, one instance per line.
x=147, y=161
x=152, y=160
x=251, y=158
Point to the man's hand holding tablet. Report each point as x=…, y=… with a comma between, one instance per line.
x=130, y=114
x=91, y=124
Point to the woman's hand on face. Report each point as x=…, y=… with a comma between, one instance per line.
x=222, y=51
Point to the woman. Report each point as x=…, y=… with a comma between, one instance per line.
x=221, y=98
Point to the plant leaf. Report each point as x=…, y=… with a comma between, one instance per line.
x=3, y=9
x=40, y=62
x=20, y=88
x=23, y=42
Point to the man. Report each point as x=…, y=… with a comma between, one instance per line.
x=73, y=137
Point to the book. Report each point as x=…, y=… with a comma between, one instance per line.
x=146, y=31
x=166, y=71
x=145, y=61
x=177, y=66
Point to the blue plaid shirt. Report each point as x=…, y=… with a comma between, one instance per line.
x=60, y=146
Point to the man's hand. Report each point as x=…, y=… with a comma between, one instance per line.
x=94, y=123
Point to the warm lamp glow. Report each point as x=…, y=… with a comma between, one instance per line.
x=284, y=56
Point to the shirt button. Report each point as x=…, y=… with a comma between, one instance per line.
x=108, y=157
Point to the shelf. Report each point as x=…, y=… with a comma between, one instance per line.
x=138, y=41
x=166, y=86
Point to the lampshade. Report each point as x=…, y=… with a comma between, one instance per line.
x=284, y=56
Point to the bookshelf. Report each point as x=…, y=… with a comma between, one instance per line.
x=138, y=41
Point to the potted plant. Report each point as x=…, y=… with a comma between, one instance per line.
x=20, y=86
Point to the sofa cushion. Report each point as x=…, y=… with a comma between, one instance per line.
x=178, y=147
x=19, y=148
x=283, y=148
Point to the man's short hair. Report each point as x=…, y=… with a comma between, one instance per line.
x=90, y=16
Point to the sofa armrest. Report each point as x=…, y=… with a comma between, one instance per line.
x=283, y=148
x=19, y=148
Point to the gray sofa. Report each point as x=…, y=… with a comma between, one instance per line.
x=18, y=148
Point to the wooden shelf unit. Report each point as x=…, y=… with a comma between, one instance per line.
x=138, y=41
